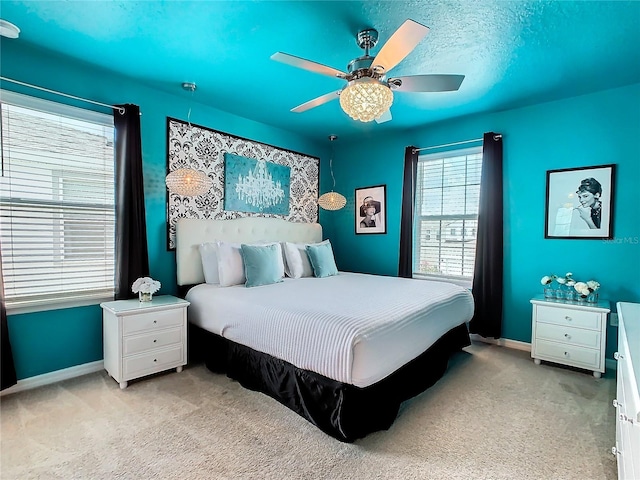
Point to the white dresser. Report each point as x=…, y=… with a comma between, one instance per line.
x=141, y=338
x=570, y=333
x=627, y=401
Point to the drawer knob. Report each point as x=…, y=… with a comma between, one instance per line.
x=568, y=318
x=615, y=451
x=566, y=354
x=616, y=403
x=155, y=359
x=154, y=340
x=617, y=356
x=155, y=321
x=566, y=335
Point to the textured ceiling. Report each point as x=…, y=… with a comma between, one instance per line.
x=512, y=53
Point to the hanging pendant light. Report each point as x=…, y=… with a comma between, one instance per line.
x=188, y=182
x=332, y=200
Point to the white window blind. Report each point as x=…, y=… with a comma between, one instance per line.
x=446, y=214
x=57, y=216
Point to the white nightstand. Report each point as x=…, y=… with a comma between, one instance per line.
x=570, y=333
x=141, y=338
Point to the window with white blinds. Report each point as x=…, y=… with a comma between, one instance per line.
x=446, y=214
x=57, y=215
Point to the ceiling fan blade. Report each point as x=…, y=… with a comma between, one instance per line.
x=306, y=64
x=385, y=117
x=427, y=83
x=327, y=97
x=403, y=40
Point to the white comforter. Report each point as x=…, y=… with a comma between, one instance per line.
x=354, y=328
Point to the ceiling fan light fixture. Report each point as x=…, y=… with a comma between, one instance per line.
x=365, y=99
x=188, y=182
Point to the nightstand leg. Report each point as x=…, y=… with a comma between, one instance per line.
x=179, y=369
x=536, y=361
x=123, y=385
x=597, y=374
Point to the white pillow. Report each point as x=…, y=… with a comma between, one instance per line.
x=298, y=264
x=230, y=264
x=209, y=256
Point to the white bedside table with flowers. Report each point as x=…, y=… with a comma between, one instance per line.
x=144, y=336
x=569, y=324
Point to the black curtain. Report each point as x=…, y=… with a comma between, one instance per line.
x=8, y=373
x=132, y=257
x=488, y=271
x=405, y=264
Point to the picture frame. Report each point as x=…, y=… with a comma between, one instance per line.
x=579, y=203
x=255, y=186
x=371, y=210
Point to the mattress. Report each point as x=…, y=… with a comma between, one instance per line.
x=353, y=328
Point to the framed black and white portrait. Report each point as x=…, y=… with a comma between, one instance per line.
x=371, y=210
x=580, y=203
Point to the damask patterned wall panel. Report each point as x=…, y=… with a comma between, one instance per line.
x=201, y=148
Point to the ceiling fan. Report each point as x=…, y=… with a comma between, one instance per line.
x=369, y=93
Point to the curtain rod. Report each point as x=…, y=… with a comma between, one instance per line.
x=120, y=109
x=497, y=136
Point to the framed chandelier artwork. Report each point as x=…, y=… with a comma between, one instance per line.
x=255, y=186
x=248, y=178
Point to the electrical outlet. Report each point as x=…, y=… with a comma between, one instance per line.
x=613, y=319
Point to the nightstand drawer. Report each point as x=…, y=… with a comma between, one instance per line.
x=568, y=354
x=152, y=320
x=155, y=361
x=573, y=336
x=569, y=317
x=148, y=341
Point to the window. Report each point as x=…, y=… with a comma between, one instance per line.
x=447, y=199
x=57, y=215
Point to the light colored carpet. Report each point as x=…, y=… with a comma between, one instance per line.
x=494, y=415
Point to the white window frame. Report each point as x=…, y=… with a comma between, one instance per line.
x=69, y=300
x=458, y=280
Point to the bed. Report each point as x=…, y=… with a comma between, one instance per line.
x=342, y=351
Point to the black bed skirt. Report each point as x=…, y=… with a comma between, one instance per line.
x=344, y=411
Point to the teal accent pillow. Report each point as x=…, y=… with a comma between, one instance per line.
x=262, y=264
x=321, y=258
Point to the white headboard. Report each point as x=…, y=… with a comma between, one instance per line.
x=190, y=233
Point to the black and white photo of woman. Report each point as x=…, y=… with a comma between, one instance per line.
x=590, y=209
x=580, y=202
x=369, y=213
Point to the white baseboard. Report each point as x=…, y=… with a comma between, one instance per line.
x=609, y=363
x=53, y=377
x=502, y=342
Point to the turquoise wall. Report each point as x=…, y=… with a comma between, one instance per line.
x=48, y=341
x=593, y=129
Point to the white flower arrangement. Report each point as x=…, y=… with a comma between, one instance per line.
x=585, y=288
x=145, y=285
x=593, y=285
x=582, y=288
x=547, y=279
x=566, y=280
